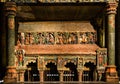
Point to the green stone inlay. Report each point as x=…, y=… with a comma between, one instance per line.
x=11, y=45
x=111, y=39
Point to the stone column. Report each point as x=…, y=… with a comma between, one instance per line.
x=61, y=75
x=80, y=72
x=41, y=72
x=111, y=73
x=10, y=9
x=21, y=75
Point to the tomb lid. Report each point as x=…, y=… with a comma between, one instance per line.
x=56, y=26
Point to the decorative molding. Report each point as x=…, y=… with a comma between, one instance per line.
x=112, y=7
x=10, y=8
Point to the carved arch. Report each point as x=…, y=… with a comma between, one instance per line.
x=29, y=60
x=50, y=60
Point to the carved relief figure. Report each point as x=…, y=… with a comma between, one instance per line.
x=41, y=63
x=60, y=38
x=41, y=38
x=102, y=58
x=31, y=39
x=19, y=39
x=46, y=38
x=80, y=62
x=20, y=57
x=84, y=38
x=60, y=62
x=87, y=37
x=22, y=38
x=51, y=38
x=72, y=38
x=27, y=39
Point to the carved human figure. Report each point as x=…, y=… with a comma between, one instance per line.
x=80, y=39
x=73, y=38
x=60, y=62
x=41, y=38
x=18, y=43
x=20, y=59
x=46, y=40
x=84, y=38
x=91, y=37
x=31, y=39
x=41, y=62
x=22, y=38
x=51, y=38
x=60, y=38
x=100, y=59
x=27, y=39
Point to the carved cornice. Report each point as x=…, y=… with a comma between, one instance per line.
x=10, y=8
x=112, y=7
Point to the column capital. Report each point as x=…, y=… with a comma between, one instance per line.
x=112, y=7
x=10, y=8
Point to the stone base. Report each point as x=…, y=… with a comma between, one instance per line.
x=111, y=74
x=11, y=75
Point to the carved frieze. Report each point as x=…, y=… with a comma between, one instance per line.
x=51, y=38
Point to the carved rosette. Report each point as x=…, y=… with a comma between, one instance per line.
x=112, y=8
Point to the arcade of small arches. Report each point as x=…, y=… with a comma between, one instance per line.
x=78, y=60
x=60, y=68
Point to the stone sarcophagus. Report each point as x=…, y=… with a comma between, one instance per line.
x=69, y=47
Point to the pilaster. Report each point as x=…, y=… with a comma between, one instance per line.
x=80, y=72
x=61, y=75
x=20, y=74
x=41, y=72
